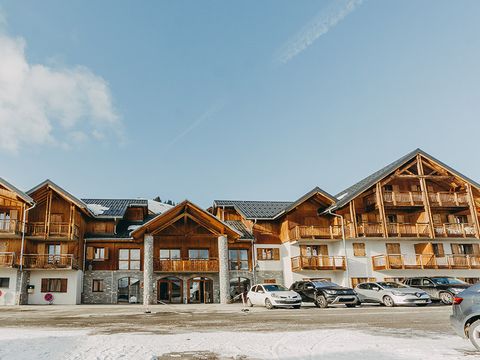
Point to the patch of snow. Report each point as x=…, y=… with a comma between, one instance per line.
x=158, y=207
x=342, y=196
x=345, y=344
x=133, y=227
x=97, y=209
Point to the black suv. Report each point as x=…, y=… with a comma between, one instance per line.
x=443, y=288
x=323, y=293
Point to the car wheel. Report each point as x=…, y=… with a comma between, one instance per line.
x=446, y=298
x=268, y=304
x=474, y=334
x=321, y=302
x=388, y=301
x=249, y=303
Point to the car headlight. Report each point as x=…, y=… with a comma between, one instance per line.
x=330, y=292
x=398, y=293
x=275, y=295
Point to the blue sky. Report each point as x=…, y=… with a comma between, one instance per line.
x=241, y=100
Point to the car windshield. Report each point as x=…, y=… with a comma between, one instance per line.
x=323, y=283
x=391, y=285
x=448, y=281
x=275, y=287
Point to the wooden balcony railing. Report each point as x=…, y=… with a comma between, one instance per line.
x=425, y=261
x=7, y=259
x=403, y=198
x=38, y=261
x=9, y=226
x=315, y=232
x=321, y=262
x=408, y=230
x=63, y=229
x=455, y=230
x=448, y=199
x=370, y=229
x=186, y=265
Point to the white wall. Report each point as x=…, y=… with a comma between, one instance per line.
x=269, y=265
x=9, y=294
x=74, y=287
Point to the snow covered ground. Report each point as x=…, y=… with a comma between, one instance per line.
x=343, y=344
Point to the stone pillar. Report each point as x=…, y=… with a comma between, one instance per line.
x=224, y=279
x=148, y=269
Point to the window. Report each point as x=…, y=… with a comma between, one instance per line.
x=54, y=285
x=314, y=250
x=394, y=279
x=392, y=218
x=463, y=249
x=99, y=253
x=238, y=259
x=461, y=219
x=129, y=259
x=201, y=254
x=438, y=250
x=388, y=188
x=54, y=251
x=269, y=281
x=97, y=285
x=268, y=254
x=358, y=280
x=4, y=282
x=170, y=254
x=359, y=249
x=415, y=282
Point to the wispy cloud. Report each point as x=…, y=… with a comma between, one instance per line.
x=318, y=26
x=202, y=118
x=50, y=104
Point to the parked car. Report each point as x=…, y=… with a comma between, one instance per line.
x=465, y=318
x=323, y=293
x=391, y=294
x=441, y=288
x=272, y=296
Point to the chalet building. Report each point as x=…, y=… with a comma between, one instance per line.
x=417, y=216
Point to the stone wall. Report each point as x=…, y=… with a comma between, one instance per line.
x=261, y=276
x=110, y=284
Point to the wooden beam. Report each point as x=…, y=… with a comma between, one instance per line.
x=381, y=209
x=426, y=199
x=353, y=216
x=473, y=209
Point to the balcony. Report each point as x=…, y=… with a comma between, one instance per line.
x=186, y=265
x=425, y=261
x=9, y=226
x=321, y=262
x=370, y=229
x=315, y=232
x=408, y=230
x=62, y=229
x=37, y=261
x=455, y=230
x=7, y=259
x=402, y=198
x=448, y=199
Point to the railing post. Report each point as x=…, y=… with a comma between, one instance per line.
x=463, y=230
x=411, y=198
x=469, y=263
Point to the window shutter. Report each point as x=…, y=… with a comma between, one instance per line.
x=455, y=249
x=276, y=254
x=44, y=285
x=63, y=285
x=14, y=214
x=90, y=252
x=106, y=253
x=440, y=250
x=259, y=254
x=323, y=250
x=359, y=249
x=451, y=219
x=437, y=219
x=476, y=249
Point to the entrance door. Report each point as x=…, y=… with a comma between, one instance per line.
x=128, y=290
x=200, y=290
x=170, y=290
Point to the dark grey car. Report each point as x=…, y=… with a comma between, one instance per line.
x=465, y=318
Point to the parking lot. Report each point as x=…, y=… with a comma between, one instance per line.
x=225, y=331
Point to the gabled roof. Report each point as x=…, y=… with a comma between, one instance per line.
x=62, y=192
x=305, y=197
x=353, y=191
x=260, y=210
x=18, y=192
x=190, y=209
x=113, y=208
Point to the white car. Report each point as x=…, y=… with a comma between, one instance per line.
x=272, y=296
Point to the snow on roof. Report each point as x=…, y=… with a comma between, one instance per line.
x=97, y=209
x=158, y=207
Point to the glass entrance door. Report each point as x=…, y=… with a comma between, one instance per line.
x=200, y=290
x=170, y=290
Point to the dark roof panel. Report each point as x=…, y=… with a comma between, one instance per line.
x=240, y=226
x=113, y=207
x=255, y=209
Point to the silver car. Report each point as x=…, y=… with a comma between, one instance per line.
x=391, y=294
x=465, y=318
